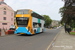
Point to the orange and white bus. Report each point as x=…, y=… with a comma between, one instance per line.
x=29, y=22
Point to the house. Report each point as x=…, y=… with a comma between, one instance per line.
x=6, y=15
x=55, y=23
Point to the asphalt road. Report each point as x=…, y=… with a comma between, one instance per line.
x=39, y=41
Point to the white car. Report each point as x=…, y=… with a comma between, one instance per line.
x=12, y=27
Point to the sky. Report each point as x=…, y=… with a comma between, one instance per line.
x=42, y=7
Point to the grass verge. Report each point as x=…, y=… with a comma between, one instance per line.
x=72, y=33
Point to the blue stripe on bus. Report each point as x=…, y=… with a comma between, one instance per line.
x=44, y=29
x=37, y=30
x=22, y=30
x=44, y=26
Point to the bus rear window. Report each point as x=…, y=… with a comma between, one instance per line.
x=23, y=12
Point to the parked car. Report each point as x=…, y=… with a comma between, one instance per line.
x=12, y=27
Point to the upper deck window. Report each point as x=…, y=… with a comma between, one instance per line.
x=19, y=12
x=23, y=12
x=33, y=14
x=26, y=12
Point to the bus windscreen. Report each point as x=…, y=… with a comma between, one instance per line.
x=22, y=21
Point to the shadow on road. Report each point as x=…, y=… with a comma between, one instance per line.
x=30, y=35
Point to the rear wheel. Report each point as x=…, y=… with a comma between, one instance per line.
x=34, y=31
x=42, y=30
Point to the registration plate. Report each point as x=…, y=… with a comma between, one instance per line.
x=21, y=33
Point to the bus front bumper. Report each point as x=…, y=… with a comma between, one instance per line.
x=22, y=30
x=16, y=32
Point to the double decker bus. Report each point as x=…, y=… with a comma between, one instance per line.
x=29, y=22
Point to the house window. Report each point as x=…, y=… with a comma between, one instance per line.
x=11, y=19
x=4, y=23
x=11, y=14
x=11, y=24
x=4, y=12
x=4, y=8
x=4, y=18
x=0, y=3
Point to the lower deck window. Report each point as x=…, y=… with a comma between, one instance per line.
x=36, y=25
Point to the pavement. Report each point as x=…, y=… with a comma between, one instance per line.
x=39, y=41
x=64, y=41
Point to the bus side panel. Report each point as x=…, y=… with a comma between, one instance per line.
x=36, y=20
x=42, y=25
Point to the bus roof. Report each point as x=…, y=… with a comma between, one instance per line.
x=31, y=10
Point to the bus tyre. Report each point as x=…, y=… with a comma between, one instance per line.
x=34, y=31
x=42, y=30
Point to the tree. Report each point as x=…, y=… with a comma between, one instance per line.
x=61, y=11
x=48, y=21
x=67, y=18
